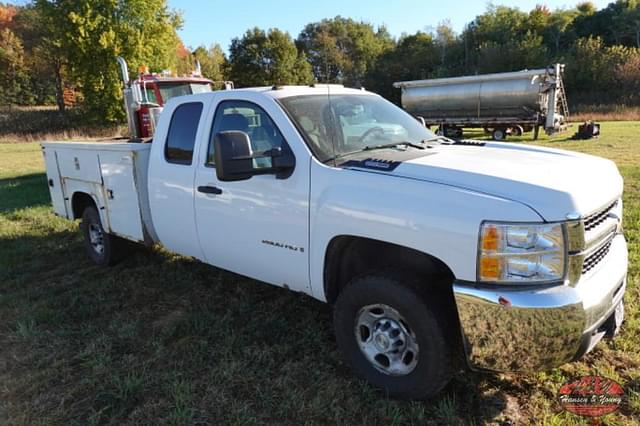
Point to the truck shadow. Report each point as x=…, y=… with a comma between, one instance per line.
x=23, y=191
x=221, y=333
x=156, y=317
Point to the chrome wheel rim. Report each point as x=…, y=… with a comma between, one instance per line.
x=96, y=237
x=386, y=340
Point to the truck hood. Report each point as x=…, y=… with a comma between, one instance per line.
x=552, y=182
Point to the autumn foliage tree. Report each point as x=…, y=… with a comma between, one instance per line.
x=93, y=33
x=13, y=71
x=48, y=44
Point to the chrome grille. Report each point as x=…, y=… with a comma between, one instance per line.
x=593, y=220
x=590, y=240
x=594, y=258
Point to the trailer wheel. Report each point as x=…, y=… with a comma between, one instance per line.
x=102, y=248
x=517, y=130
x=499, y=134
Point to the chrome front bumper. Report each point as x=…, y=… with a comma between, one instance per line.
x=532, y=329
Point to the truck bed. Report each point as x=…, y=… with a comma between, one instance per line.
x=113, y=172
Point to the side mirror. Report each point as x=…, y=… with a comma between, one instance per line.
x=235, y=159
x=233, y=156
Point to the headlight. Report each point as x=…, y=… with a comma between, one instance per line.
x=521, y=253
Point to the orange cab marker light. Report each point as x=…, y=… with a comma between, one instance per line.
x=490, y=238
x=489, y=268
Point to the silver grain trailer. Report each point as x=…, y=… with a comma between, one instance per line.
x=501, y=104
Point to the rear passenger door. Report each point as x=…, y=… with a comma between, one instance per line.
x=171, y=176
x=256, y=227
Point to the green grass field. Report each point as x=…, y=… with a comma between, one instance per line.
x=162, y=339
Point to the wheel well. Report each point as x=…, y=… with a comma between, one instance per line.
x=348, y=257
x=79, y=202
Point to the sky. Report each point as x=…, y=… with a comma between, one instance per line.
x=219, y=21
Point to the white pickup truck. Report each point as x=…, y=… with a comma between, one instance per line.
x=509, y=257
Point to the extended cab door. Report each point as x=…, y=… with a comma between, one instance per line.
x=172, y=172
x=257, y=227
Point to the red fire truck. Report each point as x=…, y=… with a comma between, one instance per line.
x=144, y=97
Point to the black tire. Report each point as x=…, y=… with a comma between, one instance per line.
x=109, y=249
x=423, y=318
x=499, y=134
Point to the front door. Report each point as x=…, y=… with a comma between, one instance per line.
x=257, y=227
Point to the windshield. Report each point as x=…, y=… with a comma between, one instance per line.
x=337, y=125
x=168, y=91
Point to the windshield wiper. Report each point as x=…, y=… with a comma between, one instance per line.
x=372, y=147
x=392, y=145
x=444, y=139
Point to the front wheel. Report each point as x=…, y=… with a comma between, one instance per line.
x=392, y=337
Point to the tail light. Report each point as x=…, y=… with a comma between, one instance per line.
x=145, y=122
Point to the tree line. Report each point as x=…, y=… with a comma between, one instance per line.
x=49, y=45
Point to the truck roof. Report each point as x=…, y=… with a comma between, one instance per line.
x=161, y=79
x=315, y=89
x=279, y=92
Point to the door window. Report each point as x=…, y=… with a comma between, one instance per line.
x=254, y=121
x=182, y=133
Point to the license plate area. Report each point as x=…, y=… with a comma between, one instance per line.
x=612, y=325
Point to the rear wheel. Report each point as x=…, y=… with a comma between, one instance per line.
x=392, y=337
x=102, y=248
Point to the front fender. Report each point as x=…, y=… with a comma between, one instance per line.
x=436, y=219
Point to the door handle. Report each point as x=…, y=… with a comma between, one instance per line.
x=210, y=190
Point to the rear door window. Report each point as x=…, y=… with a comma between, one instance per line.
x=181, y=137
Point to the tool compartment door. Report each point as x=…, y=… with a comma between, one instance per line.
x=79, y=164
x=121, y=194
x=54, y=182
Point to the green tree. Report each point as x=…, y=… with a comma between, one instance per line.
x=92, y=33
x=601, y=73
x=627, y=76
x=586, y=8
x=342, y=50
x=615, y=24
x=415, y=57
x=500, y=25
x=630, y=20
x=262, y=58
x=557, y=27
x=213, y=62
x=446, y=40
